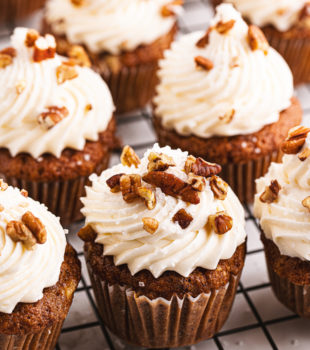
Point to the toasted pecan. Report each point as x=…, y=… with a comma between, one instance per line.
x=183, y=218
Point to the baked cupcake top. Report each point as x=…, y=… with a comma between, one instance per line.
x=282, y=14
x=165, y=212
x=49, y=103
x=32, y=247
x=111, y=25
x=225, y=82
x=282, y=202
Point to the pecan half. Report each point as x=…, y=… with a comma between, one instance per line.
x=219, y=187
x=304, y=154
x=129, y=185
x=150, y=225
x=225, y=27
x=44, y=48
x=159, y=162
x=220, y=222
x=228, y=117
x=3, y=185
x=53, y=116
x=200, y=167
x=295, y=140
x=31, y=37
x=87, y=234
x=172, y=186
x=204, y=41
x=35, y=226
x=306, y=203
x=167, y=11
x=148, y=195
x=65, y=72
x=114, y=183
x=19, y=232
x=129, y=157
x=271, y=192
x=183, y=218
x=203, y=63
x=197, y=182
x=79, y=55
x=257, y=39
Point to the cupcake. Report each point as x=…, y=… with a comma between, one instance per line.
x=282, y=205
x=39, y=273
x=226, y=96
x=164, y=246
x=125, y=39
x=11, y=10
x=56, y=123
x=286, y=25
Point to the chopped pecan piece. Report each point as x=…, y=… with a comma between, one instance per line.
x=183, y=218
x=114, y=183
x=88, y=107
x=148, y=195
x=87, y=234
x=295, y=140
x=167, y=11
x=20, y=86
x=234, y=62
x=31, y=37
x=79, y=55
x=271, y=192
x=65, y=72
x=203, y=63
x=159, y=162
x=172, y=186
x=19, y=232
x=53, y=116
x=304, y=154
x=228, y=117
x=35, y=226
x=219, y=187
x=10, y=51
x=220, y=222
x=225, y=27
x=306, y=203
x=257, y=39
x=24, y=193
x=129, y=185
x=129, y=157
x=150, y=225
x=6, y=56
x=197, y=182
x=200, y=167
x=44, y=48
x=3, y=185
x=78, y=3
x=204, y=41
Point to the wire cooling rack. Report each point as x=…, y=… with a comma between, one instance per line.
x=257, y=321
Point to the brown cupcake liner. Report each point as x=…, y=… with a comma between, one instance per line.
x=16, y=9
x=162, y=323
x=44, y=340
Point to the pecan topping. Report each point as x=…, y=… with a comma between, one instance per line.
x=182, y=218
x=159, y=162
x=65, y=72
x=20, y=86
x=167, y=11
x=10, y=51
x=79, y=55
x=3, y=185
x=220, y=222
x=200, y=167
x=87, y=234
x=204, y=41
x=304, y=154
x=306, y=203
x=129, y=157
x=35, y=225
x=295, y=140
x=203, y=62
x=257, y=39
x=225, y=27
x=172, y=186
x=234, y=62
x=198, y=182
x=228, y=117
x=271, y=192
x=6, y=56
x=150, y=225
x=19, y=232
x=24, y=193
x=114, y=183
x=148, y=195
x=88, y=108
x=129, y=185
x=218, y=187
x=78, y=3
x=44, y=48
x=53, y=116
x=31, y=37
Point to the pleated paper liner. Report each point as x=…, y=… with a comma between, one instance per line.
x=44, y=340
x=162, y=323
x=15, y=9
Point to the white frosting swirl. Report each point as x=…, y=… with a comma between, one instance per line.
x=25, y=273
x=282, y=14
x=110, y=25
x=286, y=221
x=120, y=228
x=19, y=127
x=192, y=100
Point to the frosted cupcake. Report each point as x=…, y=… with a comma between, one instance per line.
x=282, y=205
x=226, y=96
x=39, y=273
x=164, y=237
x=56, y=125
x=286, y=24
x=125, y=39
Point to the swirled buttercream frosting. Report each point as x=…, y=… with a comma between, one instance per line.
x=24, y=273
x=173, y=245
x=37, y=81
x=223, y=83
x=111, y=25
x=286, y=219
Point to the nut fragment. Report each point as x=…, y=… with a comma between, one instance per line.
x=234, y=63
x=19, y=232
x=79, y=55
x=3, y=185
x=87, y=234
x=204, y=63
x=88, y=108
x=167, y=10
x=257, y=39
x=35, y=226
x=183, y=218
x=197, y=182
x=150, y=225
x=20, y=86
x=10, y=51
x=31, y=37
x=148, y=195
x=129, y=157
x=44, y=48
x=271, y=192
x=306, y=203
x=65, y=72
x=204, y=41
x=225, y=27
x=78, y=3
x=129, y=185
x=6, y=56
x=114, y=183
x=52, y=116
x=304, y=154
x=228, y=117
x=159, y=162
x=220, y=222
x=200, y=167
x=218, y=187
x=1, y=208
x=24, y=193
x=295, y=140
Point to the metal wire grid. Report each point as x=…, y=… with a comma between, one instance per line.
x=136, y=129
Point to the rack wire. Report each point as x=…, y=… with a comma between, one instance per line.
x=257, y=318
